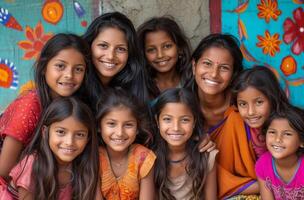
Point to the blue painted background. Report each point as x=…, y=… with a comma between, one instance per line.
x=292, y=84
x=28, y=13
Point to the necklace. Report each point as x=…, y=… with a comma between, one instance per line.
x=177, y=161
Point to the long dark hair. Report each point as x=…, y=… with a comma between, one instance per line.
x=197, y=167
x=53, y=46
x=85, y=167
x=294, y=116
x=132, y=76
x=168, y=25
x=264, y=80
x=116, y=98
x=220, y=40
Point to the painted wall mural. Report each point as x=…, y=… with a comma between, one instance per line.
x=271, y=34
x=25, y=26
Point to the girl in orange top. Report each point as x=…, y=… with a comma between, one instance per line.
x=126, y=166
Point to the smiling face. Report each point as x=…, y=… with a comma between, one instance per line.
x=176, y=124
x=67, y=139
x=161, y=51
x=109, y=53
x=282, y=140
x=254, y=107
x=213, y=71
x=118, y=129
x=65, y=72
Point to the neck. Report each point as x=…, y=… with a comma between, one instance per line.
x=288, y=162
x=177, y=153
x=167, y=80
x=117, y=156
x=212, y=101
x=104, y=80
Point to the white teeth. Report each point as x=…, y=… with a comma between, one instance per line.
x=67, y=150
x=118, y=141
x=162, y=63
x=175, y=136
x=277, y=148
x=70, y=85
x=210, y=82
x=109, y=65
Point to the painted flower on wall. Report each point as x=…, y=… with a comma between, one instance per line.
x=294, y=31
x=269, y=43
x=36, y=40
x=268, y=9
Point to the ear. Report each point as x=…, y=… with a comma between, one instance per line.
x=193, y=67
x=44, y=130
x=302, y=145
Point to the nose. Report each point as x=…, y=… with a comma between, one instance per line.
x=251, y=110
x=176, y=125
x=278, y=138
x=68, y=140
x=214, y=71
x=159, y=53
x=68, y=73
x=111, y=54
x=119, y=131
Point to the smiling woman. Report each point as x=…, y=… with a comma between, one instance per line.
x=116, y=57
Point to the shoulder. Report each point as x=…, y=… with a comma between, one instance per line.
x=264, y=165
x=142, y=152
x=22, y=172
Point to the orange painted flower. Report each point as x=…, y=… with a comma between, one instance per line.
x=270, y=44
x=269, y=9
x=36, y=40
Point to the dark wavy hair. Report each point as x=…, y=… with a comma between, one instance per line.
x=220, y=40
x=295, y=118
x=57, y=43
x=264, y=80
x=85, y=167
x=168, y=25
x=117, y=98
x=197, y=167
x=132, y=76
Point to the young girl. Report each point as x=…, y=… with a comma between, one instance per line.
x=61, y=162
x=59, y=71
x=167, y=52
x=181, y=171
x=280, y=171
x=126, y=166
x=256, y=93
x=116, y=57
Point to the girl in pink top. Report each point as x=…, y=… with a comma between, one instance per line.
x=61, y=162
x=280, y=171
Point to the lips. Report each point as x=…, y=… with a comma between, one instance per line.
x=211, y=82
x=118, y=141
x=253, y=120
x=66, y=84
x=175, y=136
x=277, y=148
x=108, y=65
x=67, y=150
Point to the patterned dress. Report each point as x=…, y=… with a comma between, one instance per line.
x=126, y=187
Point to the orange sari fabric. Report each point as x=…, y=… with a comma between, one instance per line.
x=126, y=187
x=236, y=157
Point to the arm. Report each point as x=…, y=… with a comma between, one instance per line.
x=98, y=192
x=206, y=145
x=210, y=192
x=24, y=194
x=147, y=190
x=264, y=191
x=9, y=156
x=252, y=189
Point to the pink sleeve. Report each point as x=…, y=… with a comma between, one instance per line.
x=21, y=117
x=146, y=162
x=21, y=173
x=262, y=164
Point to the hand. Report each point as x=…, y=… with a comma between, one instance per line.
x=206, y=145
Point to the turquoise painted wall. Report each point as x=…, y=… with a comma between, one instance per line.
x=15, y=69
x=262, y=25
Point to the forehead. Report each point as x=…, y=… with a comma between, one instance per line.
x=251, y=93
x=158, y=36
x=71, y=123
x=120, y=113
x=280, y=123
x=176, y=109
x=69, y=54
x=217, y=54
x=112, y=34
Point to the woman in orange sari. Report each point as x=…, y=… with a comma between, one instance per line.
x=216, y=62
